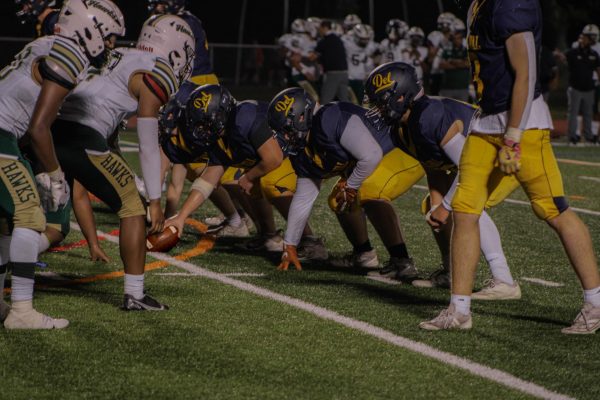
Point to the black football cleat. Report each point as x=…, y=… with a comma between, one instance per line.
x=146, y=303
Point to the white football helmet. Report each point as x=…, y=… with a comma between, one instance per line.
x=89, y=23
x=298, y=26
x=350, y=21
x=592, y=31
x=458, y=26
x=362, y=34
x=445, y=20
x=435, y=38
x=396, y=29
x=416, y=36
x=171, y=38
x=312, y=26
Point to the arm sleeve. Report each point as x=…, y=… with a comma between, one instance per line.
x=307, y=191
x=358, y=141
x=453, y=150
x=532, y=66
x=147, y=129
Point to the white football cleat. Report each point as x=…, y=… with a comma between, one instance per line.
x=497, y=290
x=586, y=322
x=234, y=231
x=448, y=319
x=24, y=316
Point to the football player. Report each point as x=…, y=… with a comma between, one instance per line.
x=32, y=90
x=511, y=136
x=437, y=41
x=360, y=50
x=58, y=222
x=202, y=73
x=135, y=82
x=415, y=53
x=391, y=47
x=434, y=130
x=350, y=21
x=338, y=140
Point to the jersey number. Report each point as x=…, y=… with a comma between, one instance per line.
x=19, y=58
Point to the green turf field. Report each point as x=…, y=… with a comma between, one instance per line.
x=224, y=338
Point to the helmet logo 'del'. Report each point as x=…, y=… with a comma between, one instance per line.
x=203, y=102
x=382, y=82
x=284, y=105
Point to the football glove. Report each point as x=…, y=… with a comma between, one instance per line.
x=509, y=157
x=290, y=255
x=343, y=198
x=53, y=190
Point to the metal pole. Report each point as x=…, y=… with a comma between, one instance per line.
x=372, y=13
x=238, y=59
x=440, y=6
x=306, y=8
x=405, y=11
x=286, y=16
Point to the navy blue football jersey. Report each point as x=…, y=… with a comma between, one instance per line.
x=324, y=157
x=428, y=122
x=178, y=151
x=202, y=65
x=491, y=22
x=246, y=130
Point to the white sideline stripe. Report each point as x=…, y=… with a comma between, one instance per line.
x=52, y=274
x=128, y=143
x=474, y=368
x=590, y=178
x=542, y=282
x=383, y=279
x=526, y=203
x=172, y=274
x=130, y=150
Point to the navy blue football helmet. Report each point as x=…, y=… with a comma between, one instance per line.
x=206, y=114
x=390, y=89
x=290, y=116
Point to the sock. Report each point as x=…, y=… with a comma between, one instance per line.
x=2, y=279
x=22, y=281
x=234, y=219
x=363, y=248
x=592, y=296
x=491, y=246
x=461, y=303
x=134, y=285
x=43, y=243
x=398, y=251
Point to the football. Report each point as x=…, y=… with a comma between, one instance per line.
x=162, y=241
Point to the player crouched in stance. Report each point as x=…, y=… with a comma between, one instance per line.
x=32, y=90
x=434, y=131
x=336, y=141
x=227, y=134
x=511, y=136
x=135, y=81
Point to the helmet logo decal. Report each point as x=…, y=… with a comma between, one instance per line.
x=203, y=102
x=285, y=105
x=382, y=82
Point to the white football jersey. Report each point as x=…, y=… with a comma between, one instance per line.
x=359, y=58
x=415, y=57
x=103, y=100
x=19, y=91
x=392, y=51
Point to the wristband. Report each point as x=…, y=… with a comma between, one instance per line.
x=512, y=135
x=57, y=174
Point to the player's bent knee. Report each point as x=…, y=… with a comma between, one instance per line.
x=548, y=208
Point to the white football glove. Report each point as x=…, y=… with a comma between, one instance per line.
x=53, y=190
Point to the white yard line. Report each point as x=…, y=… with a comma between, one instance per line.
x=492, y=374
x=590, y=178
x=526, y=203
x=542, y=282
x=129, y=150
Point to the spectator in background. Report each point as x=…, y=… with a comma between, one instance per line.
x=454, y=61
x=582, y=62
x=331, y=54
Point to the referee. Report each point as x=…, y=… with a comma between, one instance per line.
x=331, y=54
